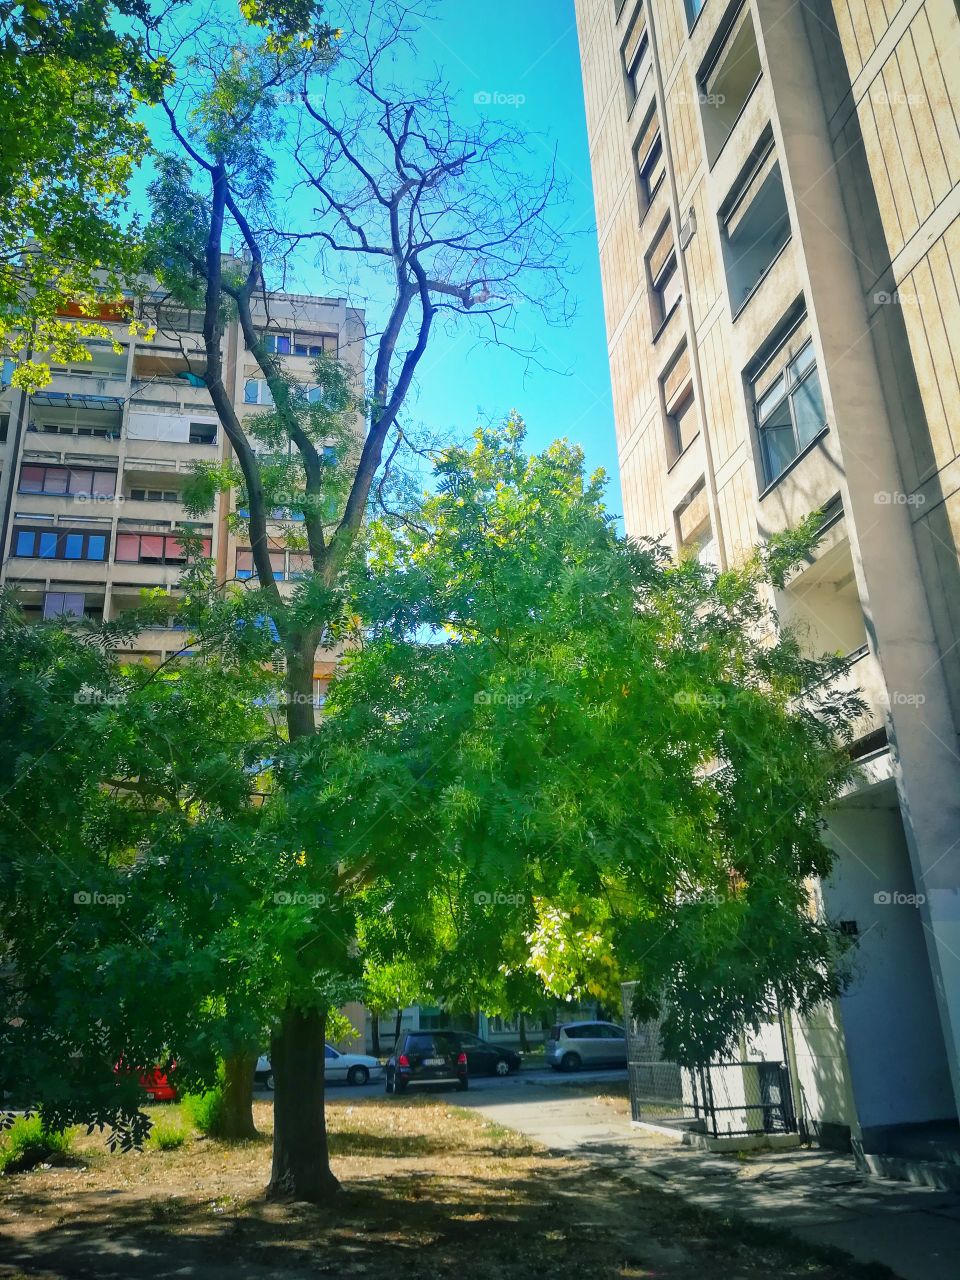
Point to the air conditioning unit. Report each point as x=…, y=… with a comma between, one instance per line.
x=688, y=228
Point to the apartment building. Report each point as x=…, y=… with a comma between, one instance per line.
x=92, y=468
x=777, y=190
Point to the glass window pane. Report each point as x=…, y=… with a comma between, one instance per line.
x=778, y=442
x=251, y=391
x=96, y=546
x=771, y=399
x=808, y=407
x=31, y=479
x=53, y=604
x=25, y=541
x=73, y=603
x=48, y=545
x=802, y=361
x=104, y=482
x=55, y=481
x=79, y=481
x=128, y=546
x=173, y=551
x=73, y=546
x=151, y=546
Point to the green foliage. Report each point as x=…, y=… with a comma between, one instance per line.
x=167, y=1135
x=29, y=1142
x=205, y=1111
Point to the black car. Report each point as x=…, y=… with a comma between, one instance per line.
x=427, y=1058
x=486, y=1059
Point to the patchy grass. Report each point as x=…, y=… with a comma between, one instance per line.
x=166, y=1135
x=426, y=1186
x=27, y=1143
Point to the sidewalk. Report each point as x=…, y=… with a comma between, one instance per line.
x=817, y=1195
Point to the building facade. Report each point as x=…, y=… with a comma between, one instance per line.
x=92, y=468
x=777, y=190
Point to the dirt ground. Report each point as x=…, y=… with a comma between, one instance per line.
x=426, y=1188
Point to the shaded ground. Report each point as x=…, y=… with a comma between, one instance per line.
x=426, y=1186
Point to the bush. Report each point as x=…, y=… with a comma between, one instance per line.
x=205, y=1111
x=28, y=1143
x=166, y=1135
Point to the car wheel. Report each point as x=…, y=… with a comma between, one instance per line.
x=358, y=1075
x=387, y=1083
x=570, y=1062
x=502, y=1068
x=268, y=1083
x=399, y=1086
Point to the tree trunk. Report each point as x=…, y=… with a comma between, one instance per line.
x=375, y=1031
x=301, y=1160
x=238, y=1072
x=396, y=1030
x=522, y=1028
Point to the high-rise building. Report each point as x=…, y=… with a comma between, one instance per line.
x=777, y=189
x=93, y=466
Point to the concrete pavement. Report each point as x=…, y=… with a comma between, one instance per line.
x=817, y=1195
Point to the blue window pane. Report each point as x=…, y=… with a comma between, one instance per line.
x=96, y=546
x=73, y=546
x=802, y=362
x=25, y=541
x=48, y=545
x=244, y=573
x=808, y=407
x=250, y=391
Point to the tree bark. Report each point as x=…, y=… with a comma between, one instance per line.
x=396, y=1030
x=522, y=1028
x=301, y=1159
x=238, y=1072
x=375, y=1031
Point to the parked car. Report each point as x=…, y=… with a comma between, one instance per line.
x=427, y=1058
x=155, y=1082
x=351, y=1068
x=486, y=1059
x=573, y=1045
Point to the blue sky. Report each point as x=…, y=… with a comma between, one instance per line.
x=484, y=48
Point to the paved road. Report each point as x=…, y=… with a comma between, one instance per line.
x=526, y=1084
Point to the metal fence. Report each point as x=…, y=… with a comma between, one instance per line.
x=722, y=1099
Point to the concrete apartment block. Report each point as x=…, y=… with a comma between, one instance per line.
x=777, y=190
x=92, y=467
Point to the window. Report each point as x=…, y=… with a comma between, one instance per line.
x=693, y=9
x=4, y=426
x=203, y=433
x=666, y=287
x=680, y=406
x=256, y=391
x=59, y=544
x=682, y=421
x=246, y=569
x=790, y=412
x=636, y=55
x=315, y=344
x=755, y=223
x=59, y=604
x=649, y=161
x=154, y=495
x=153, y=548
x=728, y=81
x=68, y=481
x=277, y=344
x=60, y=429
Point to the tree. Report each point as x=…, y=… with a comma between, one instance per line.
x=77, y=80
x=610, y=765
x=461, y=229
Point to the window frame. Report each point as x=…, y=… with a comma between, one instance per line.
x=685, y=399
x=666, y=273
x=165, y=536
x=60, y=536
x=791, y=385
x=68, y=472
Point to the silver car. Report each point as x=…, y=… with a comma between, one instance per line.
x=573, y=1045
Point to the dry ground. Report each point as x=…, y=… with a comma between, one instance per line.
x=428, y=1188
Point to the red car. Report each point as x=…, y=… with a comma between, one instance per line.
x=155, y=1083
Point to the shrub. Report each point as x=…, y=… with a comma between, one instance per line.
x=205, y=1111
x=166, y=1135
x=28, y=1143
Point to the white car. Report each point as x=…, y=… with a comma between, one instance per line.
x=348, y=1068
